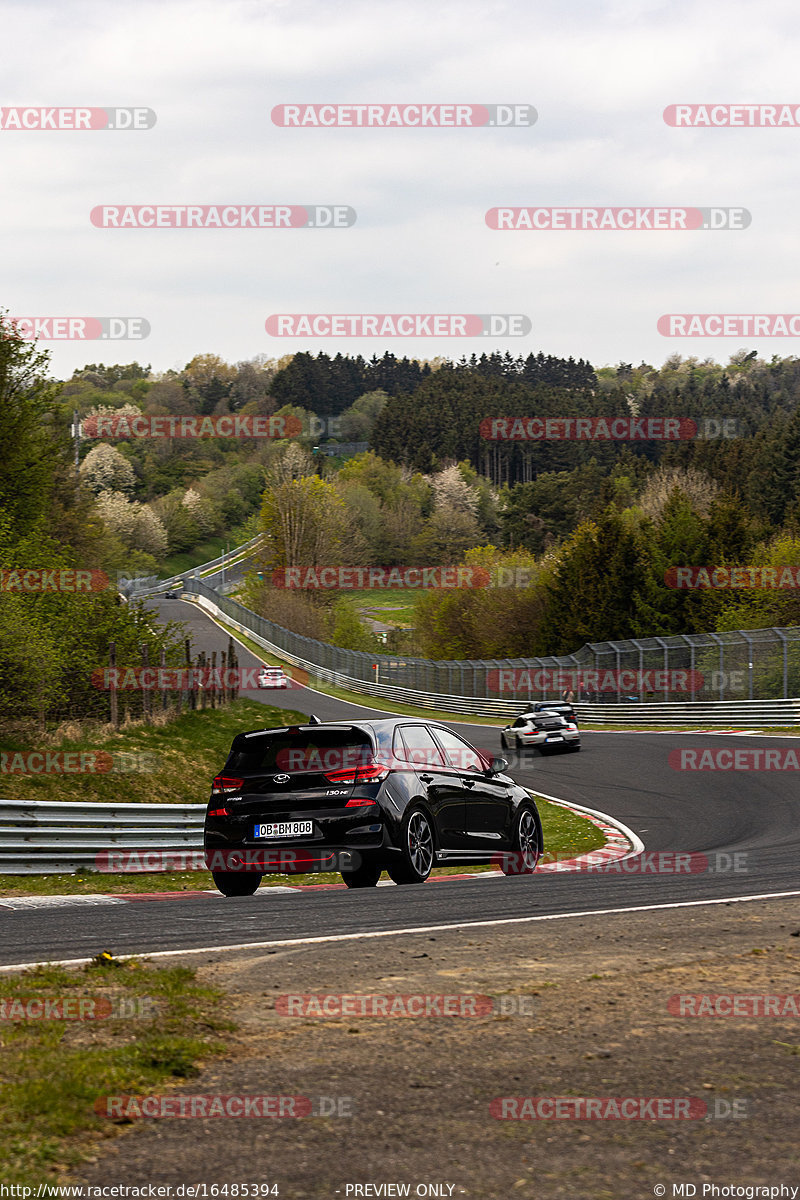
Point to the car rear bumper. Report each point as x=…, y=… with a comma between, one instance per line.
x=542, y=739
x=283, y=860
x=335, y=841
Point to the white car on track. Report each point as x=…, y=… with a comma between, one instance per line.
x=544, y=731
x=272, y=677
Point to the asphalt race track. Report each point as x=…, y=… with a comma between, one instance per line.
x=716, y=813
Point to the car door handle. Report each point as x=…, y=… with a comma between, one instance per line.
x=426, y=778
x=468, y=782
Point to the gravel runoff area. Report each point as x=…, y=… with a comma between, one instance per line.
x=582, y=1010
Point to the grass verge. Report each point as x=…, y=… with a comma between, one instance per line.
x=162, y=1027
x=170, y=763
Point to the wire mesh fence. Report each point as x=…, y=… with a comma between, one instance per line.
x=756, y=664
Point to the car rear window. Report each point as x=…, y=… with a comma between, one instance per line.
x=311, y=750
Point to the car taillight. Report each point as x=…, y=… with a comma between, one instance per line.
x=218, y=812
x=226, y=783
x=366, y=773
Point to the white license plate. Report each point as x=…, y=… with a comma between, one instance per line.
x=281, y=829
x=557, y=738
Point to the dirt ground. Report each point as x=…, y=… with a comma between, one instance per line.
x=590, y=1019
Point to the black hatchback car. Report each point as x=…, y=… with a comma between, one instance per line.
x=402, y=795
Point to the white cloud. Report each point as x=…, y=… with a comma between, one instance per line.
x=599, y=74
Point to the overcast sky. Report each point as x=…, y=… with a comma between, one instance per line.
x=599, y=75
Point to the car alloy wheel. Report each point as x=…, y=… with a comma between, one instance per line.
x=525, y=850
x=417, y=855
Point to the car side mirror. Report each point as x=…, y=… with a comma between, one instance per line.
x=497, y=766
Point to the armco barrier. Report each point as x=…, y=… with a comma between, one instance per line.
x=749, y=676
x=720, y=712
x=231, y=559
x=43, y=837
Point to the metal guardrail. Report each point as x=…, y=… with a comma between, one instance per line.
x=230, y=559
x=43, y=837
x=720, y=713
x=731, y=666
x=760, y=712
x=758, y=663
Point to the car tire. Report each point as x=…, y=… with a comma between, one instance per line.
x=417, y=850
x=526, y=845
x=236, y=883
x=504, y=742
x=367, y=875
x=575, y=748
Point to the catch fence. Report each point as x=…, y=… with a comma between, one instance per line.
x=738, y=665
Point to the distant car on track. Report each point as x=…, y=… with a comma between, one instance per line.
x=543, y=730
x=398, y=794
x=272, y=677
x=170, y=595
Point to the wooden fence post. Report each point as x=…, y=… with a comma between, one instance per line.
x=162, y=662
x=146, y=705
x=233, y=664
x=112, y=664
x=192, y=692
